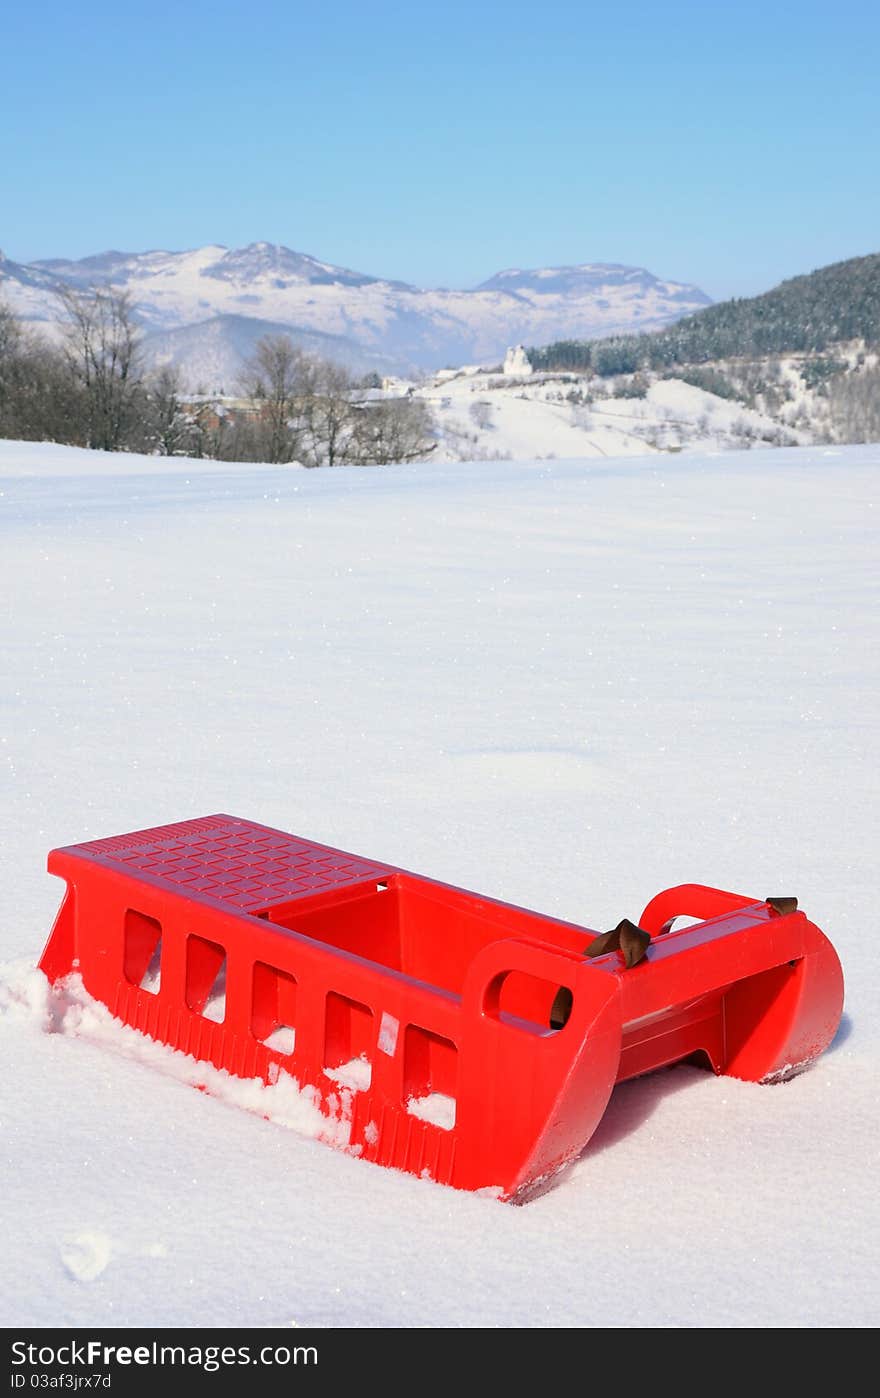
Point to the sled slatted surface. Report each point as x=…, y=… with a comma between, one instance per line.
x=241, y=864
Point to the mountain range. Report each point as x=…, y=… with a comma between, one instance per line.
x=205, y=309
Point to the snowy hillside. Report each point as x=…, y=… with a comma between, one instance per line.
x=211, y=291
x=520, y=414
x=503, y=417
x=567, y=685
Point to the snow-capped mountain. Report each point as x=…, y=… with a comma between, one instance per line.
x=599, y=279
x=199, y=308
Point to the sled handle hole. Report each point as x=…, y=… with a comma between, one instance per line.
x=527, y=1000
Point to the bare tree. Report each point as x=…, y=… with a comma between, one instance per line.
x=278, y=379
x=10, y=332
x=170, y=429
x=393, y=429
x=854, y=406
x=102, y=346
x=91, y=393
x=331, y=414
x=10, y=356
x=39, y=400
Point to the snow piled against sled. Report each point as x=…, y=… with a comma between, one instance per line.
x=67, y=1008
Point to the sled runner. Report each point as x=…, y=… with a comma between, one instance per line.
x=450, y=1035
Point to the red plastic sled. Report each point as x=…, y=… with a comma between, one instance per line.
x=463, y=1039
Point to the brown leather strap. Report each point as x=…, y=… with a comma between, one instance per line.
x=631, y=941
x=627, y=938
x=782, y=906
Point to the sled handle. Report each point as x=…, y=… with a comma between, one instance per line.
x=690, y=900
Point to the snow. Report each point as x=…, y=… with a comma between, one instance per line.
x=480, y=415
x=436, y=1107
x=356, y=1074
x=567, y=684
x=517, y=414
x=282, y=1039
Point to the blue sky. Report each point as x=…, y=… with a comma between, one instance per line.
x=727, y=145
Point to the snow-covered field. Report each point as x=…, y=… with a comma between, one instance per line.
x=566, y=684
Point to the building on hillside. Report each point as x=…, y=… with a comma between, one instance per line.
x=516, y=363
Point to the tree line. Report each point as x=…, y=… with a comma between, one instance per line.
x=90, y=388
x=805, y=314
